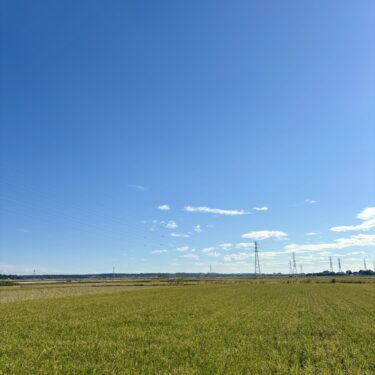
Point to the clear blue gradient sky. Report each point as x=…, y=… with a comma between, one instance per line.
x=111, y=109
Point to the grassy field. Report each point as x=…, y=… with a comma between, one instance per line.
x=212, y=327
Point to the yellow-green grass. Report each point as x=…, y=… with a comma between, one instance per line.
x=245, y=328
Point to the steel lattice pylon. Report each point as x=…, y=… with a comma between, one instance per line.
x=256, y=260
x=330, y=264
x=339, y=264
x=294, y=264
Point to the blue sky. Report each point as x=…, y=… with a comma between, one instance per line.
x=209, y=109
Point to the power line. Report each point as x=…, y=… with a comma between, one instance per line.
x=48, y=202
x=75, y=222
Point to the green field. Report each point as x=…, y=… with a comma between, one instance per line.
x=214, y=327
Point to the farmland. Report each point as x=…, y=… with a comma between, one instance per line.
x=273, y=326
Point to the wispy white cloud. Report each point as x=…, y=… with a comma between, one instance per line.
x=368, y=222
x=310, y=201
x=164, y=207
x=311, y=234
x=138, y=187
x=241, y=256
x=236, y=257
x=340, y=243
x=159, y=251
x=264, y=208
x=269, y=254
x=183, y=249
x=357, y=253
x=182, y=235
x=226, y=246
x=367, y=214
x=169, y=224
x=217, y=211
x=193, y=256
x=208, y=249
x=231, y=246
x=198, y=228
x=325, y=253
x=244, y=245
x=265, y=234
x=156, y=225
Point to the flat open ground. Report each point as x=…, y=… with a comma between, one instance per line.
x=273, y=326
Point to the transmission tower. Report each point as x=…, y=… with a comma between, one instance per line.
x=364, y=264
x=294, y=264
x=330, y=264
x=339, y=264
x=210, y=268
x=256, y=260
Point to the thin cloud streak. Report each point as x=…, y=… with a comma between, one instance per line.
x=340, y=243
x=310, y=201
x=264, y=208
x=265, y=234
x=182, y=235
x=164, y=207
x=368, y=222
x=216, y=211
x=138, y=187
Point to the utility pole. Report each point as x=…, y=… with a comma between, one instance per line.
x=256, y=260
x=330, y=264
x=339, y=264
x=210, y=269
x=294, y=264
x=113, y=272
